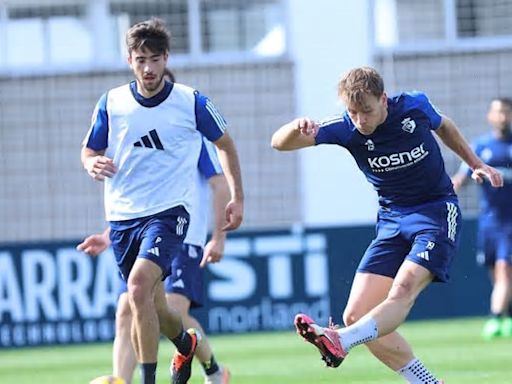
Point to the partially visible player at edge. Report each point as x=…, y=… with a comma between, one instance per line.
x=144, y=142
x=184, y=288
x=418, y=220
x=495, y=220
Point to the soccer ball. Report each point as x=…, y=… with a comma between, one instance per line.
x=108, y=380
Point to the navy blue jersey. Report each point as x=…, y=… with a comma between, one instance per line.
x=401, y=159
x=496, y=202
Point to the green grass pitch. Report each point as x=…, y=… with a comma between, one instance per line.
x=452, y=349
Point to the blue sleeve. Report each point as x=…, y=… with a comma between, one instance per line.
x=209, y=164
x=209, y=120
x=423, y=103
x=333, y=131
x=97, y=137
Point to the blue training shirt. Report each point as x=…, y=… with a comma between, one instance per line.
x=401, y=159
x=497, y=153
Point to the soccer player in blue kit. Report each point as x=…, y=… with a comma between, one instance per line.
x=418, y=219
x=144, y=143
x=495, y=221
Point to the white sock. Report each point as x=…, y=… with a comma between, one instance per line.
x=416, y=373
x=360, y=332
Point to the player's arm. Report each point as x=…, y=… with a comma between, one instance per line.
x=213, y=126
x=95, y=142
x=97, y=165
x=228, y=158
x=95, y=244
x=298, y=133
x=214, y=249
x=451, y=136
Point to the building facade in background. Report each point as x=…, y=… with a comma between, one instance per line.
x=261, y=67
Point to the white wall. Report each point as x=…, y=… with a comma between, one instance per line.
x=327, y=37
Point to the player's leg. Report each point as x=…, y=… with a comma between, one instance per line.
x=379, y=264
x=376, y=288
x=500, y=297
x=142, y=275
x=377, y=327
x=160, y=239
x=168, y=322
x=384, y=257
x=368, y=291
x=162, y=242
x=407, y=285
x=385, y=318
x=391, y=349
x=380, y=321
x=486, y=256
x=142, y=281
x=184, y=289
x=171, y=325
x=502, y=288
x=169, y=317
x=214, y=373
x=432, y=232
x=186, y=342
x=123, y=354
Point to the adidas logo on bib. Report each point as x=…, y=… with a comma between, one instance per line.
x=151, y=141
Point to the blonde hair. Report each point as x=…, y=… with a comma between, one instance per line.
x=357, y=83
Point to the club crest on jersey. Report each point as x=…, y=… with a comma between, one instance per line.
x=408, y=125
x=369, y=145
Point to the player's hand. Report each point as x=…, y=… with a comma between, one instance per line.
x=234, y=215
x=485, y=171
x=99, y=167
x=213, y=251
x=94, y=244
x=306, y=126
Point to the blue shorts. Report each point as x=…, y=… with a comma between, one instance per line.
x=426, y=234
x=158, y=238
x=494, y=241
x=187, y=278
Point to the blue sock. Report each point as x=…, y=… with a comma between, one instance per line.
x=148, y=373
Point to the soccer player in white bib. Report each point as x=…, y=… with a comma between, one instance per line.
x=418, y=221
x=144, y=143
x=184, y=288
